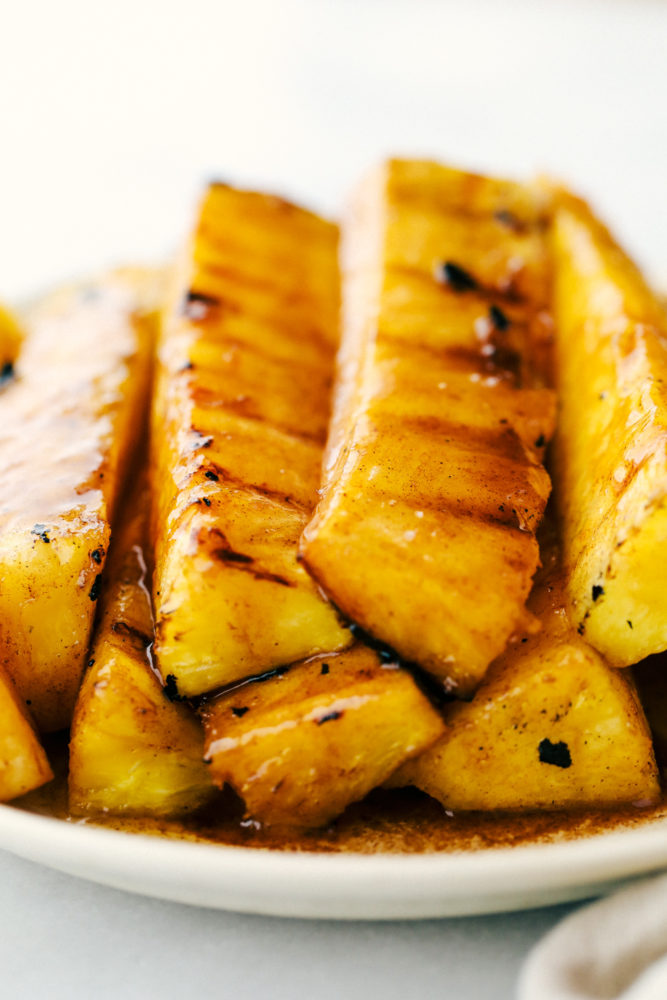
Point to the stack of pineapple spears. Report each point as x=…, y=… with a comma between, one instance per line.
x=262, y=626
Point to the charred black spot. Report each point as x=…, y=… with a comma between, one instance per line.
x=201, y=440
x=7, y=373
x=581, y=628
x=557, y=754
x=97, y=555
x=206, y=501
x=329, y=717
x=325, y=668
x=94, y=592
x=629, y=622
x=499, y=319
x=540, y=441
x=91, y=661
x=186, y=367
x=239, y=711
x=213, y=476
x=597, y=591
x=458, y=279
x=41, y=531
x=509, y=220
x=171, y=690
x=196, y=305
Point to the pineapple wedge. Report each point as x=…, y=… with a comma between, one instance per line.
x=240, y=418
x=132, y=751
x=23, y=762
x=434, y=483
x=300, y=746
x=611, y=449
x=552, y=726
x=68, y=422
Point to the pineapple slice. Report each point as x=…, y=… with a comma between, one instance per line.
x=240, y=418
x=132, y=750
x=303, y=744
x=611, y=449
x=73, y=411
x=23, y=762
x=434, y=483
x=552, y=726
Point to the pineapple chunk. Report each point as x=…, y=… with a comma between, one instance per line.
x=132, y=750
x=302, y=745
x=67, y=426
x=611, y=448
x=552, y=726
x=23, y=763
x=240, y=418
x=434, y=483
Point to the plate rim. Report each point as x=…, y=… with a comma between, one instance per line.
x=347, y=885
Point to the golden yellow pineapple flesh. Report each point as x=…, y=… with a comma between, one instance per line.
x=302, y=745
x=551, y=726
x=23, y=762
x=68, y=422
x=611, y=448
x=132, y=751
x=434, y=483
x=240, y=418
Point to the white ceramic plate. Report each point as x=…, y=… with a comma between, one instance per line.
x=348, y=886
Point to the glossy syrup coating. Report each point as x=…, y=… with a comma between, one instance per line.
x=302, y=745
x=611, y=448
x=69, y=417
x=434, y=484
x=552, y=726
x=239, y=423
x=132, y=751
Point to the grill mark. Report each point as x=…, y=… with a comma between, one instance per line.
x=501, y=441
x=305, y=330
x=124, y=629
x=504, y=363
x=506, y=291
x=276, y=496
x=242, y=279
x=240, y=408
x=223, y=551
x=254, y=349
x=441, y=210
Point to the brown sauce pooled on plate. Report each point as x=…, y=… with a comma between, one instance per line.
x=399, y=822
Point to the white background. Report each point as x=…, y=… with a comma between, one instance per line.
x=112, y=115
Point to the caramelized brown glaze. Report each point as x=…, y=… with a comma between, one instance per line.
x=68, y=422
x=434, y=483
x=399, y=822
x=240, y=416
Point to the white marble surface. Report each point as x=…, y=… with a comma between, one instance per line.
x=111, y=116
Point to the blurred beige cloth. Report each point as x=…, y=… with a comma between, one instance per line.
x=614, y=949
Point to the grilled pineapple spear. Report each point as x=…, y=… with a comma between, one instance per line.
x=302, y=745
x=68, y=420
x=551, y=726
x=434, y=484
x=611, y=448
x=132, y=751
x=239, y=422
